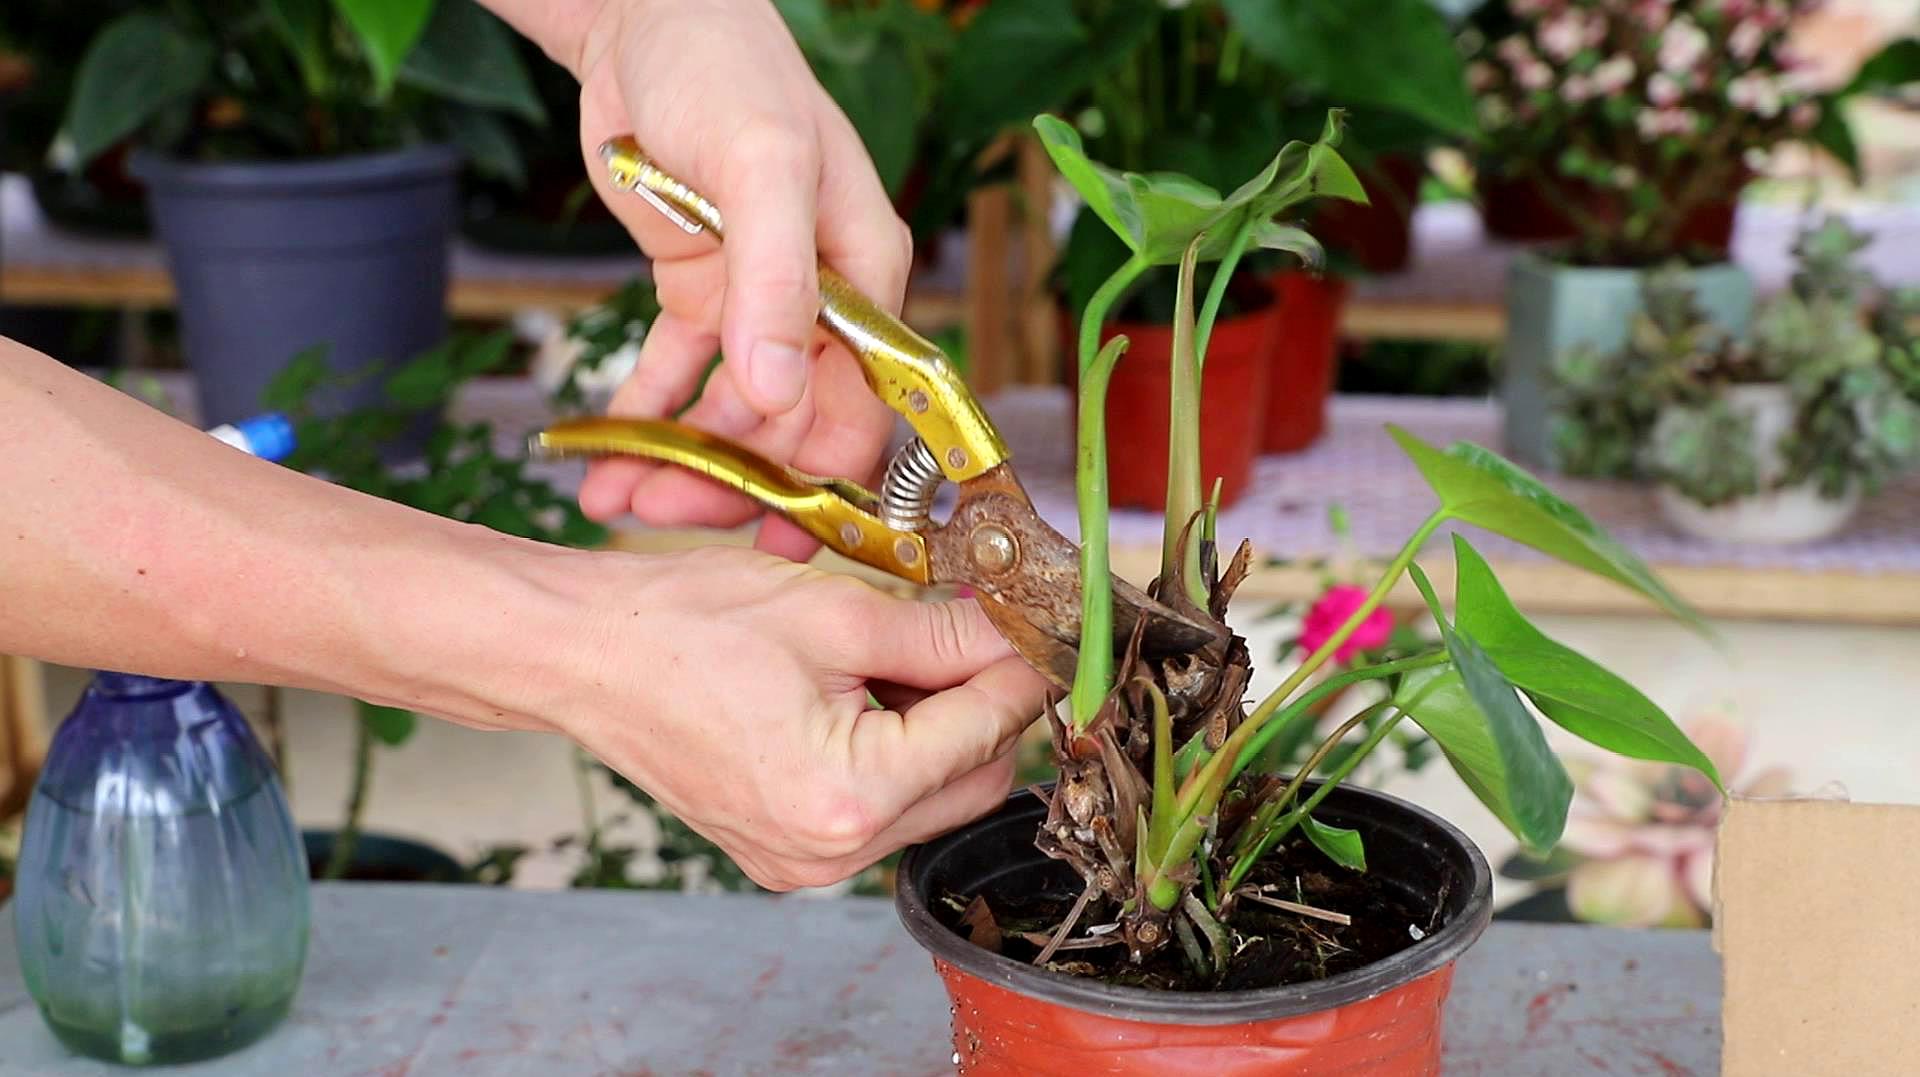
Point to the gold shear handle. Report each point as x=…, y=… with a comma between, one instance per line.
x=824, y=508
x=904, y=369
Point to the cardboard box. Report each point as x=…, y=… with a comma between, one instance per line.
x=1817, y=921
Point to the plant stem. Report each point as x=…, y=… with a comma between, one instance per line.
x=1179, y=561
x=1191, y=794
x=1264, y=816
x=1327, y=785
x=1093, y=673
x=1102, y=300
x=1217, y=291
x=349, y=833
x=1330, y=686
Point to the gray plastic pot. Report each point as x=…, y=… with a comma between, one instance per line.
x=1554, y=309
x=272, y=258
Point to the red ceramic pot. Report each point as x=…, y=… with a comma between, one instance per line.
x=1383, y=1020
x=1520, y=209
x=1378, y=236
x=1303, y=362
x=1233, y=397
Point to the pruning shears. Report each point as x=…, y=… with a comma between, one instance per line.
x=1025, y=574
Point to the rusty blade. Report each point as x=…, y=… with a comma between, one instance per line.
x=1027, y=576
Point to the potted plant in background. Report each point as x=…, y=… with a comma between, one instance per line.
x=1630, y=119
x=300, y=157
x=463, y=476
x=1207, y=89
x=98, y=197
x=1772, y=440
x=530, y=195
x=1168, y=908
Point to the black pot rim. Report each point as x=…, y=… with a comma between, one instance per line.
x=1429, y=955
x=411, y=164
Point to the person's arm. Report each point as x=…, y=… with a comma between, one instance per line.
x=730, y=684
x=719, y=93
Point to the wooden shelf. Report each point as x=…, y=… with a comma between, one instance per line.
x=1538, y=587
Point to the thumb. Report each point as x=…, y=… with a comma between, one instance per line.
x=913, y=755
x=769, y=195
x=927, y=645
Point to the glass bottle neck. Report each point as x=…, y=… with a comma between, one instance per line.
x=134, y=686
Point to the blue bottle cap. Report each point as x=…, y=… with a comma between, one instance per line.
x=269, y=436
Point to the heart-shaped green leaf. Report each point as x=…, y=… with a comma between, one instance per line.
x=1492, y=742
x=1575, y=692
x=137, y=66
x=1341, y=845
x=1158, y=215
x=1394, y=54
x=387, y=30
x=467, y=55
x=1481, y=488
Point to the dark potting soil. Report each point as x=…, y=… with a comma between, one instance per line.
x=1272, y=947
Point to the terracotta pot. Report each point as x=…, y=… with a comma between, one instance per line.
x=1519, y=209
x=1233, y=398
x=1303, y=363
x=1382, y=1020
x=1378, y=236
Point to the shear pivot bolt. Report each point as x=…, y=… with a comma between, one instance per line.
x=906, y=552
x=917, y=400
x=994, y=550
x=956, y=457
x=850, y=534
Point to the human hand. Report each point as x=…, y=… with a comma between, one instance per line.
x=719, y=93
x=732, y=686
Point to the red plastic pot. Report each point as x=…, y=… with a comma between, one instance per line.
x=1378, y=236
x=1383, y=1020
x=1233, y=397
x=1520, y=209
x=1302, y=379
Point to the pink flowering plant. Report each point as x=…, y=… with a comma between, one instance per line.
x=1639, y=844
x=1632, y=114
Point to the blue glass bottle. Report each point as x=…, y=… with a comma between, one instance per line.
x=161, y=893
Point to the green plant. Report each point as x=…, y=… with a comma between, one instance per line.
x=1160, y=807
x=1209, y=87
x=1660, y=408
x=272, y=79
x=462, y=476
x=1632, y=117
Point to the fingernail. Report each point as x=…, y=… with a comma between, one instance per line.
x=778, y=372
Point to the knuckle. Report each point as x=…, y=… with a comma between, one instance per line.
x=767, y=146
x=838, y=824
x=949, y=632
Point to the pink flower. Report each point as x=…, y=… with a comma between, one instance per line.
x=1755, y=93
x=1746, y=39
x=1804, y=115
x=1653, y=14
x=1532, y=7
x=1513, y=50
x=1663, y=91
x=1332, y=610
x=1682, y=45
x=1533, y=75
x=1654, y=123
x=1563, y=35
x=1481, y=76
x=1578, y=89
x=1645, y=832
x=1613, y=75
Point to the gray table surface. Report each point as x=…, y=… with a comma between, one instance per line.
x=420, y=981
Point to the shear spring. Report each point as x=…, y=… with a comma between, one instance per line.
x=906, y=493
